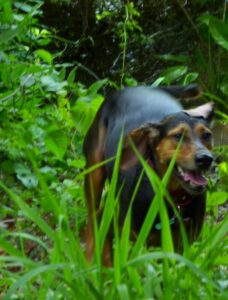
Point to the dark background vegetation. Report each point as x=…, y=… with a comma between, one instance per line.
x=155, y=29
x=57, y=60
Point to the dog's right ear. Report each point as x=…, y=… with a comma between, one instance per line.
x=142, y=138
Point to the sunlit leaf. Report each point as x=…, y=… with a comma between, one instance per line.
x=173, y=73
x=158, y=81
x=44, y=55
x=217, y=198
x=24, y=7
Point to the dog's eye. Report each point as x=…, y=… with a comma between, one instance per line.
x=206, y=136
x=178, y=136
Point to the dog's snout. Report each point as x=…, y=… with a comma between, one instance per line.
x=204, y=159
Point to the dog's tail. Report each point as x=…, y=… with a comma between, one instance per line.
x=187, y=92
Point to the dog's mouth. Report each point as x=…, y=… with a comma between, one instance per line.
x=194, y=181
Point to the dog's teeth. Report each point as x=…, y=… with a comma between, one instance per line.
x=180, y=170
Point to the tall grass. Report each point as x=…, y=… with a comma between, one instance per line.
x=59, y=270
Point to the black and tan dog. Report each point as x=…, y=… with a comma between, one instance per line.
x=155, y=122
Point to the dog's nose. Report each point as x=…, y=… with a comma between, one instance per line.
x=204, y=160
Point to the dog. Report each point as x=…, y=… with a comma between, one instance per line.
x=154, y=120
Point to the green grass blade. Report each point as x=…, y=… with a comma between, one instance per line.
x=31, y=274
x=214, y=243
x=117, y=252
x=126, y=230
x=8, y=248
x=143, y=259
x=30, y=237
x=18, y=260
x=123, y=292
x=30, y=212
x=108, y=212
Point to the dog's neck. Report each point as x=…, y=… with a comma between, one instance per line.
x=151, y=163
x=180, y=197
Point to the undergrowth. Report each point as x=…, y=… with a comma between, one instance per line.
x=44, y=113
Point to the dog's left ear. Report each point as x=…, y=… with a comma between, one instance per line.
x=142, y=138
x=205, y=111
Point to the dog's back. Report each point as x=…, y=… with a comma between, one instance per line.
x=132, y=107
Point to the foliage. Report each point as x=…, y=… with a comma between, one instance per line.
x=44, y=113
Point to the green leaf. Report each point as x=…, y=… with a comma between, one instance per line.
x=176, y=58
x=51, y=84
x=8, y=35
x=190, y=77
x=224, y=88
x=219, y=32
x=173, y=73
x=205, y=19
x=83, y=113
x=123, y=292
x=62, y=73
x=24, y=7
x=71, y=77
x=7, y=16
x=24, y=174
x=217, y=198
x=93, y=89
x=44, y=55
x=56, y=141
x=130, y=81
x=223, y=168
x=27, y=80
x=23, y=280
x=158, y=81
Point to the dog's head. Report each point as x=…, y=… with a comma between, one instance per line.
x=159, y=142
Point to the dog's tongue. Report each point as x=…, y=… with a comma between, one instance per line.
x=195, y=178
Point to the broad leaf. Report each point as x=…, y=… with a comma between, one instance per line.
x=217, y=198
x=218, y=29
x=56, y=141
x=219, y=32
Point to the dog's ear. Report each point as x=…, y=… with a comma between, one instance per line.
x=142, y=138
x=205, y=111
